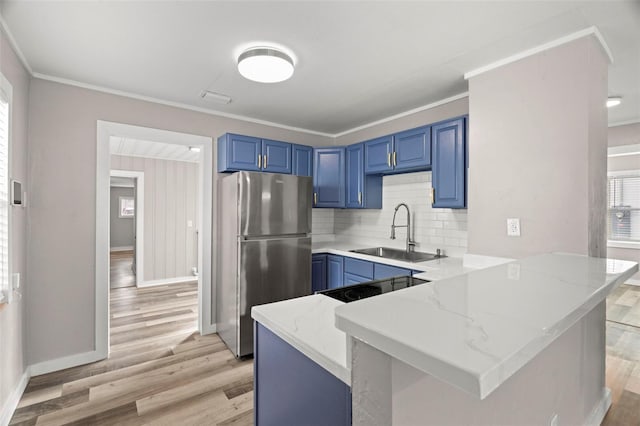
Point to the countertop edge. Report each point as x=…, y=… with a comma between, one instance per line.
x=341, y=372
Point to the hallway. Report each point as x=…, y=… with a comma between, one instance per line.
x=120, y=273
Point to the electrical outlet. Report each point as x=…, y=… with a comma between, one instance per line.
x=513, y=227
x=513, y=271
x=15, y=280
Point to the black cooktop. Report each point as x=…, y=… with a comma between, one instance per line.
x=372, y=288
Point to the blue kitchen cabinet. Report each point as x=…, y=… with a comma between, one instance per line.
x=329, y=177
x=412, y=149
x=362, y=191
x=302, y=160
x=291, y=389
x=377, y=155
x=237, y=152
x=276, y=156
x=318, y=272
x=381, y=271
x=405, y=151
x=335, y=271
x=358, y=269
x=449, y=164
x=350, y=279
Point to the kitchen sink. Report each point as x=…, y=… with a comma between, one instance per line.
x=391, y=253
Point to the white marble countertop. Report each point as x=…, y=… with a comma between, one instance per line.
x=308, y=323
x=475, y=330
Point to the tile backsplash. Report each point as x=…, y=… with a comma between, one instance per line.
x=445, y=229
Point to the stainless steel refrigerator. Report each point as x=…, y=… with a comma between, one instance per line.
x=264, y=250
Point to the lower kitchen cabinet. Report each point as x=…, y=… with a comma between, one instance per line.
x=291, y=389
x=449, y=170
x=381, y=271
x=335, y=271
x=318, y=272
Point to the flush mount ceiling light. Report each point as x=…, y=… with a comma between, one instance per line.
x=265, y=65
x=613, y=101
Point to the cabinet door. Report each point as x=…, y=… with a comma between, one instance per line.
x=302, y=164
x=318, y=272
x=350, y=279
x=355, y=176
x=237, y=152
x=377, y=155
x=276, y=156
x=449, y=165
x=381, y=271
x=412, y=149
x=328, y=177
x=335, y=271
x=362, y=268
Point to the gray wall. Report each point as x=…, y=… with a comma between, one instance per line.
x=121, y=229
x=538, y=153
x=171, y=191
x=62, y=137
x=618, y=136
x=12, y=317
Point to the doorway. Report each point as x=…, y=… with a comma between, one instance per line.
x=195, y=272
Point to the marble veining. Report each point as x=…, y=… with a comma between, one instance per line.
x=475, y=330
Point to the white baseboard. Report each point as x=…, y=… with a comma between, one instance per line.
x=600, y=410
x=66, y=362
x=167, y=281
x=122, y=248
x=12, y=401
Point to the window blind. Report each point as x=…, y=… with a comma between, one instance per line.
x=623, y=219
x=4, y=190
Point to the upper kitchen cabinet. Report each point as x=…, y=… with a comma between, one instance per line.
x=362, y=191
x=237, y=152
x=377, y=154
x=329, y=177
x=402, y=152
x=412, y=149
x=449, y=164
x=276, y=156
x=302, y=164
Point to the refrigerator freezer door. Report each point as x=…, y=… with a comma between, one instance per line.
x=270, y=270
x=274, y=204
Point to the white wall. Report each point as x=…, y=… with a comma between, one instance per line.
x=619, y=136
x=538, y=153
x=62, y=126
x=171, y=191
x=121, y=229
x=444, y=229
x=12, y=316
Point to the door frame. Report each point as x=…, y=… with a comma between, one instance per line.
x=139, y=217
x=105, y=130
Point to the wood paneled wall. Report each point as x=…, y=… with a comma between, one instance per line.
x=171, y=191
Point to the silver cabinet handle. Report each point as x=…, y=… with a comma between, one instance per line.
x=360, y=198
x=265, y=161
x=388, y=159
x=259, y=161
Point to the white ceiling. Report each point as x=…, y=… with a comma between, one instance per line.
x=150, y=149
x=357, y=62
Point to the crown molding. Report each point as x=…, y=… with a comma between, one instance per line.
x=404, y=114
x=591, y=31
x=14, y=45
x=174, y=104
x=625, y=123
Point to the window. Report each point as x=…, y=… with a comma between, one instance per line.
x=127, y=207
x=5, y=106
x=623, y=219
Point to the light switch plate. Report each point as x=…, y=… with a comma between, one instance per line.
x=513, y=227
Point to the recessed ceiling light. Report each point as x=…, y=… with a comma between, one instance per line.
x=194, y=148
x=265, y=65
x=613, y=101
x=216, y=97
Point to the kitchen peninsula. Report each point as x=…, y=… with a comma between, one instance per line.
x=518, y=343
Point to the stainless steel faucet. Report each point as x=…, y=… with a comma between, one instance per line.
x=410, y=243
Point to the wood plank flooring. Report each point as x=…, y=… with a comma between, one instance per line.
x=161, y=371
x=120, y=272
